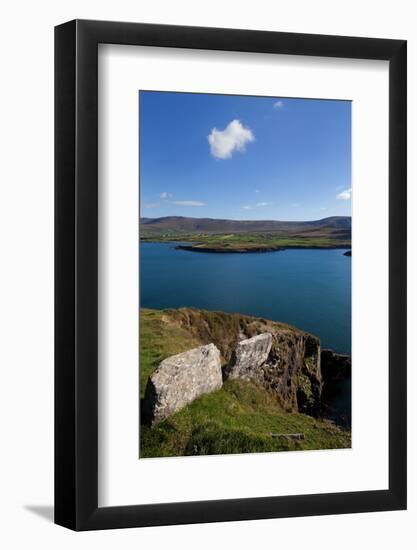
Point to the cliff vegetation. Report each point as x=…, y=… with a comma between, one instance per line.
x=279, y=409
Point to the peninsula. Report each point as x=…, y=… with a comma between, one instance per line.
x=245, y=236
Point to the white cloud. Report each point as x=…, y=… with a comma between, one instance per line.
x=151, y=205
x=345, y=195
x=189, y=203
x=261, y=204
x=247, y=207
x=223, y=143
x=165, y=195
x=257, y=191
x=279, y=104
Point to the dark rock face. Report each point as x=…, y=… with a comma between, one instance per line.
x=336, y=395
x=286, y=363
x=179, y=380
x=293, y=372
x=335, y=365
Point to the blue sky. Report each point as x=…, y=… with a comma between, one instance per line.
x=244, y=157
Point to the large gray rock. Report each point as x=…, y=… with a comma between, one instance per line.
x=250, y=354
x=180, y=379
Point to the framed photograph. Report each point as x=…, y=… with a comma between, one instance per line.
x=230, y=247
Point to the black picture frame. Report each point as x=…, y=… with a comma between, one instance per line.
x=76, y=272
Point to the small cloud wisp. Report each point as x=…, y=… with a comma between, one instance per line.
x=189, y=203
x=345, y=195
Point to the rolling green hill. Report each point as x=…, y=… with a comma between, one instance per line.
x=215, y=235
x=179, y=224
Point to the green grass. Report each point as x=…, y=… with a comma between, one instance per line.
x=245, y=241
x=240, y=417
x=159, y=340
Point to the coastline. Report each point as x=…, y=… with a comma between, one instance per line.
x=258, y=249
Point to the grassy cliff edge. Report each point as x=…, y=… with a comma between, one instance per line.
x=241, y=417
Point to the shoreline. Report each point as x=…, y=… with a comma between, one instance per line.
x=254, y=250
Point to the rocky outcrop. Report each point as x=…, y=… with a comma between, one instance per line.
x=336, y=396
x=292, y=369
x=179, y=380
x=250, y=354
x=335, y=366
x=287, y=364
x=286, y=361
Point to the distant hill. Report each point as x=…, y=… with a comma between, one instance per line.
x=336, y=225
